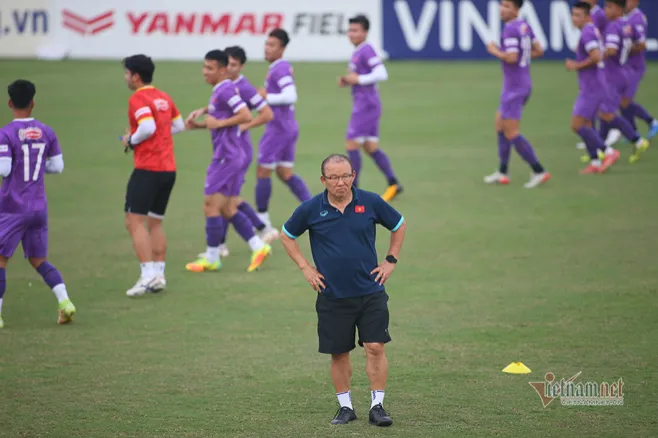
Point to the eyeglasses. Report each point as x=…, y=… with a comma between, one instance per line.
x=334, y=178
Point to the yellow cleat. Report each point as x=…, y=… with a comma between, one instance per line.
x=391, y=192
x=202, y=264
x=586, y=158
x=640, y=147
x=259, y=257
x=66, y=312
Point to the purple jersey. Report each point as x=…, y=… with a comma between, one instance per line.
x=618, y=36
x=639, y=23
x=250, y=96
x=590, y=79
x=28, y=143
x=224, y=103
x=363, y=62
x=517, y=37
x=280, y=76
x=599, y=18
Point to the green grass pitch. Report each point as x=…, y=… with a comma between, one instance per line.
x=563, y=278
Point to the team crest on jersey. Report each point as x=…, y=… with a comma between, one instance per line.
x=211, y=108
x=628, y=29
x=524, y=28
x=31, y=133
x=161, y=105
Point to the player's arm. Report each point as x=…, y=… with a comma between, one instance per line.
x=393, y=221
x=293, y=228
x=537, y=50
x=5, y=157
x=177, y=122
x=241, y=114
x=378, y=72
x=288, y=94
x=265, y=114
x=511, y=53
x=145, y=123
x=640, y=43
x=54, y=159
x=594, y=56
x=612, y=42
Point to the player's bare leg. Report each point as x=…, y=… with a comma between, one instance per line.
x=504, y=149
x=371, y=146
x=377, y=370
x=353, y=148
x=136, y=226
x=55, y=282
x=341, y=374
x=3, y=284
x=294, y=182
x=512, y=132
x=243, y=226
x=612, y=120
x=159, y=248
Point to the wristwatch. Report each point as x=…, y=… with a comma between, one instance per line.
x=391, y=259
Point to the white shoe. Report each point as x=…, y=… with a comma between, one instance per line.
x=223, y=252
x=537, y=179
x=158, y=284
x=140, y=288
x=496, y=178
x=581, y=146
x=613, y=137
x=269, y=235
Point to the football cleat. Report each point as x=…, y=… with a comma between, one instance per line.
x=536, y=179
x=391, y=192
x=66, y=312
x=202, y=264
x=259, y=257
x=496, y=178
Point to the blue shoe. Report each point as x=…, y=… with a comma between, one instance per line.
x=653, y=131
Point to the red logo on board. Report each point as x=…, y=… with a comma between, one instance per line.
x=359, y=209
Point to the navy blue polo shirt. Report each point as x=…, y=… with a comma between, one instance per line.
x=343, y=244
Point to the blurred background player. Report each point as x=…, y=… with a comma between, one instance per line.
x=226, y=111
x=599, y=20
x=237, y=58
x=617, y=49
x=277, y=146
x=591, y=85
x=366, y=70
x=153, y=119
x=28, y=150
x=637, y=67
x=518, y=46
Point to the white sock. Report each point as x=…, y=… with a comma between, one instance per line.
x=596, y=163
x=345, y=399
x=0, y=306
x=147, y=270
x=212, y=254
x=60, y=292
x=159, y=268
x=256, y=243
x=609, y=150
x=377, y=398
x=264, y=218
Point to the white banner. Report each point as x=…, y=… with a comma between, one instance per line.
x=186, y=30
x=25, y=25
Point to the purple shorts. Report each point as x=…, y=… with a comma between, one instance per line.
x=634, y=81
x=512, y=103
x=364, y=125
x=587, y=105
x=277, y=148
x=224, y=177
x=30, y=229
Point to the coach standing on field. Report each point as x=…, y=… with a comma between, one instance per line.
x=349, y=281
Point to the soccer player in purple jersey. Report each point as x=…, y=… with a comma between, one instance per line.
x=637, y=67
x=237, y=58
x=518, y=46
x=591, y=84
x=28, y=150
x=618, y=45
x=366, y=71
x=599, y=20
x=277, y=145
x=226, y=111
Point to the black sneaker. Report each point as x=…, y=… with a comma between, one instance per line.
x=344, y=416
x=379, y=417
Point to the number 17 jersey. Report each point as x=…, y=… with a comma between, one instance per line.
x=28, y=143
x=517, y=37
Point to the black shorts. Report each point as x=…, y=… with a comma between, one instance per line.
x=148, y=192
x=338, y=320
